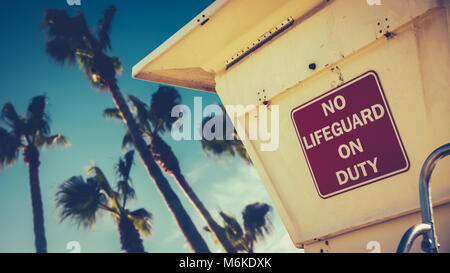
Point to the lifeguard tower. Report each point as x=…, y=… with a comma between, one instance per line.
x=363, y=93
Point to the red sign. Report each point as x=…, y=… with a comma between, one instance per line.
x=348, y=136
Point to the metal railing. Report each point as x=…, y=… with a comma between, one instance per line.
x=426, y=229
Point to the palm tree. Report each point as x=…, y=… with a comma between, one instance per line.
x=69, y=40
x=228, y=145
x=256, y=225
x=81, y=201
x=155, y=120
x=29, y=133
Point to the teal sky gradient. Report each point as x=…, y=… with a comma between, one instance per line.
x=76, y=112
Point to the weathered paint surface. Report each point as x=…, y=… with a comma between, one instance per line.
x=413, y=66
x=406, y=42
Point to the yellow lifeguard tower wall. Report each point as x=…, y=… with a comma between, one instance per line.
x=406, y=42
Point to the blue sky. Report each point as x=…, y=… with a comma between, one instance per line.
x=76, y=112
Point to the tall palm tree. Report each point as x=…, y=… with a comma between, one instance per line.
x=82, y=201
x=69, y=40
x=155, y=120
x=256, y=225
x=227, y=146
x=28, y=134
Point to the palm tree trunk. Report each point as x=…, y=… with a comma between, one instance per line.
x=129, y=236
x=215, y=229
x=31, y=157
x=169, y=163
x=197, y=243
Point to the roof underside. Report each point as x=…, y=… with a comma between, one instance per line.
x=194, y=55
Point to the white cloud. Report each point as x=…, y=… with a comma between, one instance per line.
x=174, y=236
x=197, y=171
x=235, y=192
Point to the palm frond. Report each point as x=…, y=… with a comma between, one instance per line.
x=112, y=196
x=106, y=69
x=142, y=221
x=161, y=105
x=125, y=190
x=127, y=141
x=141, y=111
x=86, y=65
x=91, y=44
x=10, y=117
x=64, y=36
x=232, y=228
x=79, y=201
x=257, y=220
x=217, y=148
x=100, y=178
x=117, y=64
x=58, y=23
x=37, y=119
x=112, y=113
x=50, y=141
x=9, y=148
x=123, y=167
x=70, y=38
x=105, y=27
x=128, y=159
x=229, y=145
x=61, y=51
